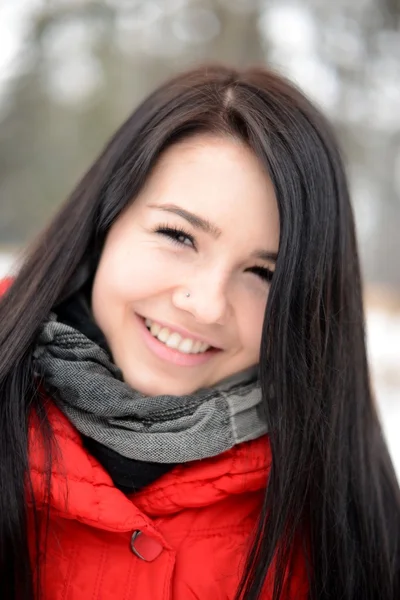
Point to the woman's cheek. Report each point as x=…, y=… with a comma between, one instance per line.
x=254, y=310
x=149, y=273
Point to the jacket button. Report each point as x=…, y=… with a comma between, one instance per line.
x=145, y=547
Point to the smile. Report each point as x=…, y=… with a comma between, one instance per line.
x=174, y=340
x=177, y=349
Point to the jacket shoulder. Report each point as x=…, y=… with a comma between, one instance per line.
x=5, y=284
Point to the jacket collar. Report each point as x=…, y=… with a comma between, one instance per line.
x=81, y=489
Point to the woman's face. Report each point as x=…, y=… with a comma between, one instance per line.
x=182, y=283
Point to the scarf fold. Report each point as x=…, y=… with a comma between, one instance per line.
x=89, y=389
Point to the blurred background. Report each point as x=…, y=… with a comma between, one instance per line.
x=72, y=70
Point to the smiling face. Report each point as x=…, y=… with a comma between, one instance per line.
x=182, y=284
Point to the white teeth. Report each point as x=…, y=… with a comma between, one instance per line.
x=155, y=328
x=196, y=347
x=164, y=334
x=174, y=340
x=187, y=346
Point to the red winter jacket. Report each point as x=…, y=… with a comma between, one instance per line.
x=184, y=537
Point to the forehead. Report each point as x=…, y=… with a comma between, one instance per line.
x=217, y=178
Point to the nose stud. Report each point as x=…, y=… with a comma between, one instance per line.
x=187, y=294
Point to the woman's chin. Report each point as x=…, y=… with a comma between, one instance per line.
x=155, y=386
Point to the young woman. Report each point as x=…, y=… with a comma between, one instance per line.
x=185, y=404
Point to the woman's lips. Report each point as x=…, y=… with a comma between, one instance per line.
x=171, y=354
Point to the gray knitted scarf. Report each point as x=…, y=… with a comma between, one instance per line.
x=89, y=389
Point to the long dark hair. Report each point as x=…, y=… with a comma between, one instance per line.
x=332, y=485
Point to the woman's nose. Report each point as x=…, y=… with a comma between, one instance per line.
x=205, y=300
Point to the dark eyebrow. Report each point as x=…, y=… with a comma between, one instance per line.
x=266, y=255
x=208, y=227
x=195, y=220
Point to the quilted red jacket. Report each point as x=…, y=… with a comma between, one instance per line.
x=184, y=537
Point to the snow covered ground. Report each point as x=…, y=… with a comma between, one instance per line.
x=384, y=350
